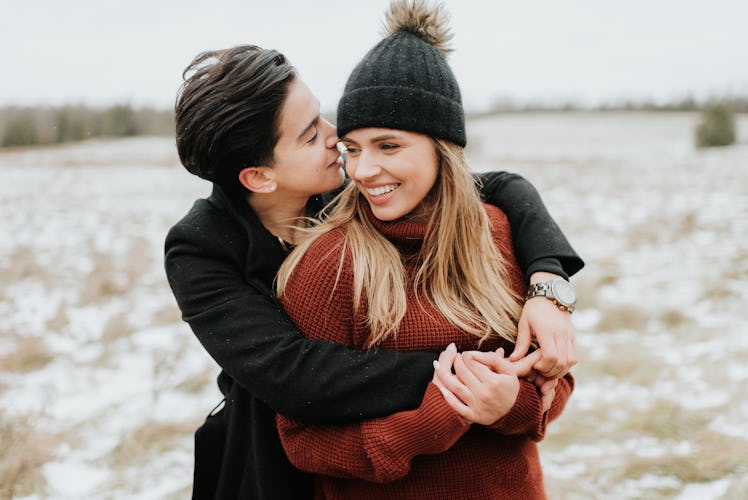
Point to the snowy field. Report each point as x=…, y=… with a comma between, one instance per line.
x=101, y=385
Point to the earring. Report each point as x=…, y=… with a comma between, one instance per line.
x=272, y=188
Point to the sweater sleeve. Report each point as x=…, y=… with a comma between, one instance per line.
x=378, y=450
x=247, y=333
x=539, y=243
x=527, y=416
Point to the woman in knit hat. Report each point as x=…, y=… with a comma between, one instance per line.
x=410, y=259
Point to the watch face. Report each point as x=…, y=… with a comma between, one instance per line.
x=564, y=292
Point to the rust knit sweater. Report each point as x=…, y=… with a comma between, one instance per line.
x=428, y=452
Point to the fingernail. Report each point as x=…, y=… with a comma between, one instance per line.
x=436, y=365
x=500, y=351
x=452, y=347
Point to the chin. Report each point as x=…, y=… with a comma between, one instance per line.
x=333, y=184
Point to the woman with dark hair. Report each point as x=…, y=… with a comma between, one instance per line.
x=249, y=125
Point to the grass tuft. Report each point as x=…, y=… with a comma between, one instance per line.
x=26, y=448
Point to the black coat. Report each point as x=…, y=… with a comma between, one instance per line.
x=221, y=262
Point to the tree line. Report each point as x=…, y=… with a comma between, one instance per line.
x=28, y=126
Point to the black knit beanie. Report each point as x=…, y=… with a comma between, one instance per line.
x=404, y=82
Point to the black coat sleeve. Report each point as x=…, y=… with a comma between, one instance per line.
x=538, y=242
x=251, y=338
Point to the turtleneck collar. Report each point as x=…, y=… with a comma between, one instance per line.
x=401, y=232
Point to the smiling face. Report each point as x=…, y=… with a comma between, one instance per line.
x=306, y=161
x=394, y=169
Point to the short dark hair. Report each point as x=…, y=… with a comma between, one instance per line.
x=227, y=111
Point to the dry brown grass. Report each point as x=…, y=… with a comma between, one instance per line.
x=59, y=321
x=30, y=354
x=23, y=266
x=673, y=318
x=149, y=440
x=116, y=327
x=622, y=316
x=197, y=382
x=715, y=456
x=25, y=449
x=167, y=315
x=103, y=282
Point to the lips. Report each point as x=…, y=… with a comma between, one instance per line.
x=338, y=162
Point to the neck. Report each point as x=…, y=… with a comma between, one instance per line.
x=280, y=216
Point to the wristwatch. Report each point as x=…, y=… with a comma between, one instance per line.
x=559, y=291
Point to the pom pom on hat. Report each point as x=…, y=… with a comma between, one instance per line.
x=430, y=24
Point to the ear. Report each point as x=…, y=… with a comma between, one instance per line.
x=258, y=179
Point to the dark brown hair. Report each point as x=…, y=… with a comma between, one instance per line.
x=227, y=111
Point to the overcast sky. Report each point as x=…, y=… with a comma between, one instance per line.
x=587, y=51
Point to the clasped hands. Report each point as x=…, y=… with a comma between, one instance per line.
x=483, y=386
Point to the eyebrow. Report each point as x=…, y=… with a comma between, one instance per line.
x=308, y=127
x=379, y=138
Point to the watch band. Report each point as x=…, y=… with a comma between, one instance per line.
x=545, y=289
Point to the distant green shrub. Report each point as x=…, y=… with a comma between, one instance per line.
x=717, y=127
x=21, y=129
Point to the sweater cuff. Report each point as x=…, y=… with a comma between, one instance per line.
x=430, y=429
x=547, y=265
x=525, y=416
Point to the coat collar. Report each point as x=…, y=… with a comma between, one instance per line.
x=265, y=254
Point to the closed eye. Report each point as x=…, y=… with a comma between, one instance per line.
x=314, y=136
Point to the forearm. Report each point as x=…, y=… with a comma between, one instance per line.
x=379, y=450
x=250, y=337
x=539, y=243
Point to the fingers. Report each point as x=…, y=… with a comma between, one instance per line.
x=488, y=363
x=466, y=374
x=443, y=366
x=549, y=362
x=463, y=410
x=548, y=392
x=546, y=399
x=445, y=379
x=450, y=386
x=524, y=366
x=522, y=344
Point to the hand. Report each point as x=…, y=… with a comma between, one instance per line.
x=524, y=369
x=483, y=388
x=553, y=330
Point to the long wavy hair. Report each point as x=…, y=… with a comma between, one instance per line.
x=461, y=271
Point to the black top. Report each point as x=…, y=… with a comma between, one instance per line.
x=221, y=263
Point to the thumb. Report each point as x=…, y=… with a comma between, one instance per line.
x=523, y=339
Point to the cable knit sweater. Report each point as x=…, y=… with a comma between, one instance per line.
x=428, y=452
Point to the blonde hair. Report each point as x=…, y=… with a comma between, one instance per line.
x=461, y=271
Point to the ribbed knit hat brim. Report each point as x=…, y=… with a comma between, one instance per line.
x=402, y=108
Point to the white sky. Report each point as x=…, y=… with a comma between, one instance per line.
x=588, y=51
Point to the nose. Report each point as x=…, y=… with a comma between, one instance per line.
x=363, y=167
x=329, y=132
